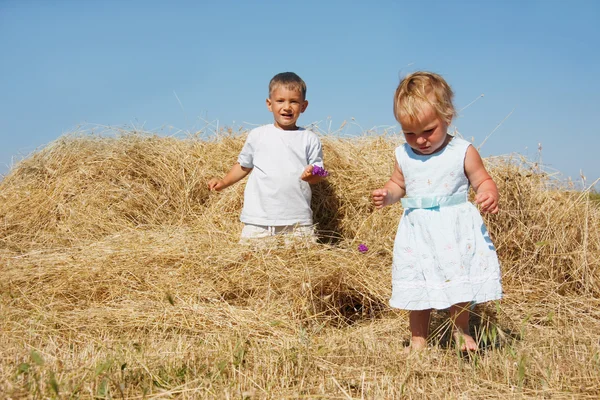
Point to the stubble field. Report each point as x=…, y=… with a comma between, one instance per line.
x=121, y=277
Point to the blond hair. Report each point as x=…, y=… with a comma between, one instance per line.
x=420, y=88
x=290, y=81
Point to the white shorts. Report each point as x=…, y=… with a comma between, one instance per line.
x=288, y=232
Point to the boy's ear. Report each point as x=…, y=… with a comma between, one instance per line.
x=304, y=105
x=269, y=104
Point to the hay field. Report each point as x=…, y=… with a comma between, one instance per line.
x=121, y=277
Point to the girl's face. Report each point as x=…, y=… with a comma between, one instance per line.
x=428, y=134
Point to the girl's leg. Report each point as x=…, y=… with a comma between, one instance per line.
x=459, y=315
x=419, y=328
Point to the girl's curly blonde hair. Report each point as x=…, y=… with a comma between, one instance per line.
x=420, y=88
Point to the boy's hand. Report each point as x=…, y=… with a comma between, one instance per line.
x=380, y=198
x=307, y=175
x=488, y=201
x=216, y=184
x=235, y=174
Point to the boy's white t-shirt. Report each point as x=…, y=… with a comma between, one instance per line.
x=275, y=195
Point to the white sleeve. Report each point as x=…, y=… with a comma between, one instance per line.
x=314, y=154
x=246, y=157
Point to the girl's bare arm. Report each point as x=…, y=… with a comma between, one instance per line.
x=485, y=188
x=393, y=190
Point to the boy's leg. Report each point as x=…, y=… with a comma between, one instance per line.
x=459, y=316
x=251, y=232
x=305, y=231
x=294, y=232
x=419, y=328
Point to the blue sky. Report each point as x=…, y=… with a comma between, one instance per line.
x=170, y=66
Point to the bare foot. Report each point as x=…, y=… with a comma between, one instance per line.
x=465, y=342
x=416, y=344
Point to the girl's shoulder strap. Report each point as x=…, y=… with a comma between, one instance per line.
x=461, y=143
x=460, y=146
x=401, y=153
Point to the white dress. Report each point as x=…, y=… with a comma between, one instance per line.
x=443, y=253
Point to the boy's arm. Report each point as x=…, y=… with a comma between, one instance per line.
x=392, y=191
x=314, y=157
x=485, y=188
x=235, y=174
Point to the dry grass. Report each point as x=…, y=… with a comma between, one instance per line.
x=121, y=277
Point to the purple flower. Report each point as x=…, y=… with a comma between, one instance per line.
x=363, y=248
x=319, y=171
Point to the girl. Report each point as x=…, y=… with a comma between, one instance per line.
x=443, y=255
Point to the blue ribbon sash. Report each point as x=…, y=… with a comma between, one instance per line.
x=434, y=201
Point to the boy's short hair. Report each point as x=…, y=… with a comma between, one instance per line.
x=289, y=80
x=420, y=88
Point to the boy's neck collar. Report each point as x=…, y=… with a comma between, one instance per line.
x=296, y=128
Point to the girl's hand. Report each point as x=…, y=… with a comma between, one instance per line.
x=380, y=198
x=488, y=201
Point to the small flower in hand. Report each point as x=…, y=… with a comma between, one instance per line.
x=318, y=171
x=362, y=248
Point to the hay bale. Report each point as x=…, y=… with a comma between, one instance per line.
x=117, y=240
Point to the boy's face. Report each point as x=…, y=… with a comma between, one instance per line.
x=427, y=134
x=286, y=106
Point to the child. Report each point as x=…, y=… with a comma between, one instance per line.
x=281, y=157
x=443, y=255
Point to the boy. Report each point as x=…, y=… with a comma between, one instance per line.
x=281, y=157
